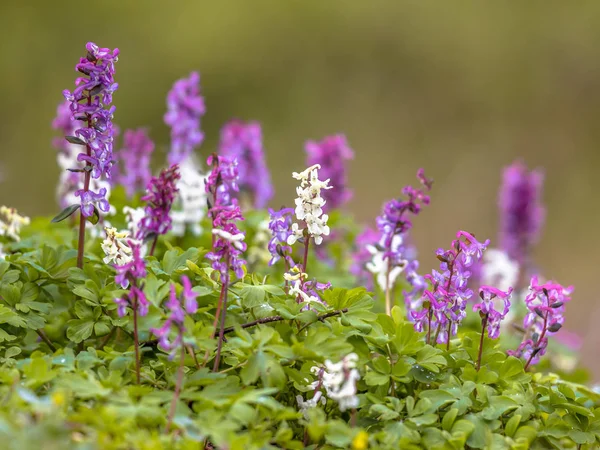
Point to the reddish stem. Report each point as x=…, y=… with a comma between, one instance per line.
x=533, y=352
x=178, y=384
x=136, y=343
x=223, y=314
x=86, y=187
x=483, y=325
x=305, y=261
x=153, y=245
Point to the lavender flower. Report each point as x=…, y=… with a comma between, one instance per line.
x=521, y=211
x=222, y=181
x=331, y=154
x=243, y=142
x=170, y=335
x=132, y=275
x=185, y=106
x=89, y=103
x=135, y=157
x=546, y=305
x=493, y=308
x=229, y=244
x=159, y=199
x=280, y=226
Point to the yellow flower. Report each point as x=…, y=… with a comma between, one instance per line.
x=360, y=441
x=58, y=398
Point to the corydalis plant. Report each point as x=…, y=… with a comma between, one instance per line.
x=493, y=308
x=90, y=104
x=331, y=155
x=134, y=157
x=280, y=226
x=185, y=107
x=243, y=142
x=222, y=181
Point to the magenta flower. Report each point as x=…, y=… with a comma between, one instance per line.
x=132, y=275
x=280, y=226
x=494, y=307
x=222, y=181
x=243, y=142
x=159, y=200
x=185, y=107
x=228, y=244
x=135, y=158
x=331, y=154
x=89, y=103
x=521, y=212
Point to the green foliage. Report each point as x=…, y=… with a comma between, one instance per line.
x=67, y=365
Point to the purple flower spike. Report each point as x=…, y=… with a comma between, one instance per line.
x=159, y=200
x=331, y=154
x=495, y=304
x=90, y=198
x=135, y=158
x=280, y=226
x=521, y=212
x=243, y=142
x=132, y=275
x=185, y=107
x=228, y=244
x=222, y=181
x=189, y=296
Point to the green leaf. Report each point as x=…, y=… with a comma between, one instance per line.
x=101, y=329
x=383, y=413
x=511, y=426
x=407, y=341
x=373, y=378
x=66, y=213
x=79, y=330
x=526, y=432
x=449, y=419
x=426, y=419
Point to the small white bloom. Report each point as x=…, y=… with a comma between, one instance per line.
x=258, y=251
x=191, y=207
x=378, y=266
x=296, y=290
x=235, y=239
x=134, y=218
x=11, y=223
x=305, y=405
x=116, y=248
x=499, y=270
x=339, y=380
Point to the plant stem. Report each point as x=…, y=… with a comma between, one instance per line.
x=305, y=260
x=388, y=294
x=449, y=332
x=106, y=339
x=178, y=384
x=429, y=313
x=153, y=245
x=534, y=352
x=136, y=343
x=44, y=338
x=223, y=314
x=86, y=187
x=483, y=325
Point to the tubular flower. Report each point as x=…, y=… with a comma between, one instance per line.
x=243, y=142
x=132, y=275
x=309, y=206
x=11, y=223
x=494, y=307
x=280, y=226
x=135, y=158
x=90, y=103
x=229, y=244
x=185, y=107
x=190, y=206
x=339, y=380
x=331, y=154
x=170, y=335
x=159, y=200
x=116, y=247
x=303, y=289
x=521, y=212
x=546, y=307
x=222, y=181
x=444, y=303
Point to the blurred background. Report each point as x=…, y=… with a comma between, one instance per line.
x=461, y=89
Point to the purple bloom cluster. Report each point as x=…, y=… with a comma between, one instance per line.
x=331, y=154
x=243, y=142
x=493, y=308
x=521, y=212
x=228, y=244
x=135, y=158
x=159, y=199
x=89, y=103
x=64, y=123
x=280, y=226
x=222, y=181
x=170, y=335
x=185, y=106
x=545, y=316
x=132, y=275
x=444, y=303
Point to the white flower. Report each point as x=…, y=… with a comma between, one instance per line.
x=499, y=270
x=305, y=405
x=235, y=239
x=192, y=199
x=116, y=248
x=2, y=254
x=11, y=223
x=339, y=380
x=134, y=218
x=379, y=264
x=296, y=290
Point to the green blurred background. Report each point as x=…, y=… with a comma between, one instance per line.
x=459, y=88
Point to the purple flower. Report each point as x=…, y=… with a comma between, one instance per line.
x=222, y=181
x=132, y=275
x=521, y=211
x=494, y=307
x=170, y=335
x=89, y=104
x=159, y=200
x=280, y=226
x=331, y=154
x=135, y=158
x=228, y=244
x=185, y=106
x=243, y=142
x=90, y=198
x=546, y=305
x=64, y=123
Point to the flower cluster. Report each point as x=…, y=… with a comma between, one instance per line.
x=444, y=303
x=302, y=288
x=185, y=106
x=339, y=380
x=331, y=155
x=280, y=225
x=135, y=158
x=11, y=223
x=131, y=275
x=89, y=103
x=159, y=199
x=309, y=206
x=170, y=335
x=228, y=244
x=243, y=142
x=521, y=212
x=222, y=181
x=190, y=206
x=545, y=316
x=116, y=247
x=493, y=308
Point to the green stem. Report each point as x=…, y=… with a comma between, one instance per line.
x=178, y=384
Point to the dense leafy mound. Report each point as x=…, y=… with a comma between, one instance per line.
x=69, y=381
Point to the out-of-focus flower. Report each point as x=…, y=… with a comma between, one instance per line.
x=222, y=181
x=494, y=307
x=499, y=270
x=229, y=244
x=190, y=205
x=11, y=223
x=339, y=380
x=159, y=200
x=132, y=274
x=135, y=158
x=280, y=225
